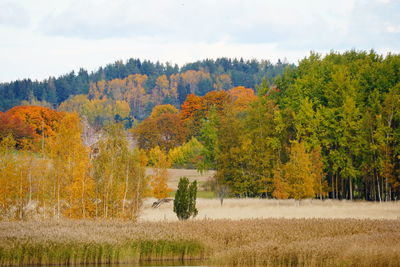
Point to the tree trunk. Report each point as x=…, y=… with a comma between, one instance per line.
x=83, y=198
x=337, y=187
x=126, y=188
x=378, y=187
x=351, y=189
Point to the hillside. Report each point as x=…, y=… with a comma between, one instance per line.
x=198, y=77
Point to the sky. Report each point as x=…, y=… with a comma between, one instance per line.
x=43, y=38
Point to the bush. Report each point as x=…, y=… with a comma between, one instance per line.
x=185, y=199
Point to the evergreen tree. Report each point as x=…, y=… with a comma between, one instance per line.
x=185, y=199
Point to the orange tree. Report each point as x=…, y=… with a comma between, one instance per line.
x=10, y=125
x=166, y=131
x=43, y=121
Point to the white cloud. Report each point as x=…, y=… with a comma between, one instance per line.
x=43, y=37
x=393, y=28
x=12, y=14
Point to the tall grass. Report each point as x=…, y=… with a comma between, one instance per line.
x=250, y=242
x=23, y=252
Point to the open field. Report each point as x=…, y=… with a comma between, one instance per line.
x=267, y=208
x=251, y=242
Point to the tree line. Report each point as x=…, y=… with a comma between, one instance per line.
x=329, y=128
x=215, y=74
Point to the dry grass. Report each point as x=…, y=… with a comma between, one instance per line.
x=256, y=242
x=267, y=208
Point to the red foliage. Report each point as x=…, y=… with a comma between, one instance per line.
x=38, y=118
x=14, y=126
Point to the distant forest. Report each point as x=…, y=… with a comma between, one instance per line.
x=199, y=77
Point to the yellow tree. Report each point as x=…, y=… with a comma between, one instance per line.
x=71, y=164
x=159, y=180
x=7, y=174
x=24, y=177
x=222, y=82
x=320, y=185
x=41, y=185
x=13, y=180
x=135, y=185
x=135, y=93
x=163, y=109
x=281, y=187
x=298, y=173
x=161, y=90
x=120, y=175
x=241, y=97
x=192, y=79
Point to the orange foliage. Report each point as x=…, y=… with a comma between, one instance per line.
x=16, y=127
x=38, y=118
x=217, y=99
x=192, y=105
x=159, y=180
x=241, y=97
x=166, y=131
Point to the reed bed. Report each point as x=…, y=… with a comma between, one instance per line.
x=249, y=242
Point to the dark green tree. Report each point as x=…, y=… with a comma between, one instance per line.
x=185, y=199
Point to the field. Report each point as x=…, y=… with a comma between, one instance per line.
x=210, y=208
x=249, y=242
x=266, y=208
x=240, y=232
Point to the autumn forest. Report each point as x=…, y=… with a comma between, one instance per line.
x=78, y=145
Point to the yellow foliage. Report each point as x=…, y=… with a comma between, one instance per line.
x=297, y=178
x=71, y=164
x=163, y=109
x=159, y=180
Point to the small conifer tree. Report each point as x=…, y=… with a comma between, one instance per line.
x=185, y=199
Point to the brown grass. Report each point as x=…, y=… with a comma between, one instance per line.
x=250, y=242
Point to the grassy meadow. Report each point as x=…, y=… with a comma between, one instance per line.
x=248, y=242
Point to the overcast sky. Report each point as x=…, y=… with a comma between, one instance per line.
x=42, y=38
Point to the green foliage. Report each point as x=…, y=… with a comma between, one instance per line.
x=27, y=252
x=98, y=112
x=185, y=199
x=340, y=103
x=187, y=155
x=209, y=137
